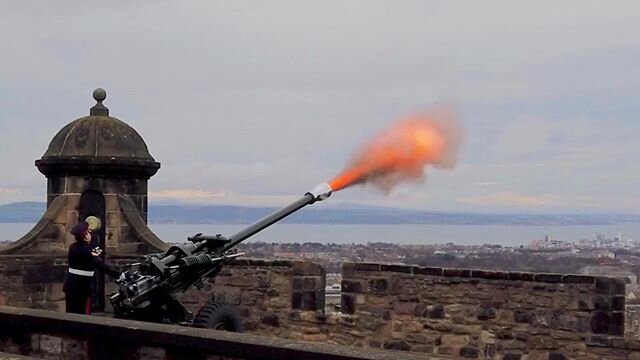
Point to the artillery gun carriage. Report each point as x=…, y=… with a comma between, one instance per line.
x=151, y=287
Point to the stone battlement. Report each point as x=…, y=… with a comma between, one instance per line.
x=473, y=273
x=488, y=314
x=51, y=335
x=438, y=312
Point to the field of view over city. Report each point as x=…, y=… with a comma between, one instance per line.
x=352, y=180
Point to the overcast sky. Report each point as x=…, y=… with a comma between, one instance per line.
x=254, y=102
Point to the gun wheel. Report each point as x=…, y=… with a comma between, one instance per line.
x=218, y=315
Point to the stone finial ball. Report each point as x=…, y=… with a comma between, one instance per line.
x=99, y=94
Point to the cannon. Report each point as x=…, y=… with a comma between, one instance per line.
x=149, y=289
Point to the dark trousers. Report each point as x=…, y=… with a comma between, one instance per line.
x=77, y=290
x=78, y=304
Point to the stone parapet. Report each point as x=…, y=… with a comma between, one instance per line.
x=440, y=312
x=46, y=334
x=33, y=281
x=264, y=291
x=486, y=314
x=7, y=356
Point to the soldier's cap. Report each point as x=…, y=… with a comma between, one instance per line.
x=79, y=230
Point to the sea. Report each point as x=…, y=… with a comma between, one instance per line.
x=505, y=235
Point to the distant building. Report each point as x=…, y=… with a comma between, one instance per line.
x=548, y=242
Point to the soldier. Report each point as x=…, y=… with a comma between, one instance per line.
x=83, y=261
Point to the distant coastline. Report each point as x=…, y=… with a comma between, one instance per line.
x=30, y=212
x=505, y=235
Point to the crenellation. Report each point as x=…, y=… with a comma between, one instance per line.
x=455, y=273
x=548, y=278
x=365, y=267
x=521, y=276
x=496, y=316
x=486, y=274
x=396, y=268
x=578, y=279
x=427, y=270
x=545, y=307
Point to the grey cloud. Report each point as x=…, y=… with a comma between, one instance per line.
x=262, y=98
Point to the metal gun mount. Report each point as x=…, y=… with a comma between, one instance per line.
x=150, y=287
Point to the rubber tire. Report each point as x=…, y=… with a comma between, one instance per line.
x=218, y=315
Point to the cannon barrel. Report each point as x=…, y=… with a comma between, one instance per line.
x=149, y=289
x=320, y=192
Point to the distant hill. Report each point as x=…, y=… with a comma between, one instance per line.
x=30, y=212
x=26, y=211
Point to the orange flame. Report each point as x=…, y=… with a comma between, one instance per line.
x=401, y=152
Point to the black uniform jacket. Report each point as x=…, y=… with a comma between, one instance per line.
x=85, y=257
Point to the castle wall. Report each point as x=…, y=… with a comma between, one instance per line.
x=457, y=313
x=632, y=323
x=264, y=291
x=441, y=312
x=35, y=281
x=488, y=314
x=49, y=335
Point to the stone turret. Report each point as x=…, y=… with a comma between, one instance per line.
x=99, y=166
x=98, y=146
